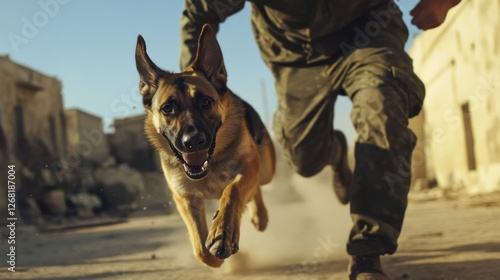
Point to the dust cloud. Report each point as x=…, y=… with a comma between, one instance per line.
x=307, y=225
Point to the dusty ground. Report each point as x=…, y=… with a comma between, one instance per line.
x=442, y=239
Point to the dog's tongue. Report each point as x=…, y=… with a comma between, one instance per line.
x=196, y=158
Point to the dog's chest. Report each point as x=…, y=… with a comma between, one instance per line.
x=212, y=186
x=219, y=178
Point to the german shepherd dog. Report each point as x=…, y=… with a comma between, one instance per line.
x=212, y=145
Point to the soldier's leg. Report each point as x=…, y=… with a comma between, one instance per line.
x=382, y=104
x=303, y=122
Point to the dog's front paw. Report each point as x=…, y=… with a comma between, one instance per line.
x=208, y=259
x=223, y=238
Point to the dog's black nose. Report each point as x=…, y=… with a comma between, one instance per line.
x=194, y=140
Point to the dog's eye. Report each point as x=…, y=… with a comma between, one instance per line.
x=167, y=109
x=206, y=103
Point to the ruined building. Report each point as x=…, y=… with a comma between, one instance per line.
x=65, y=166
x=32, y=126
x=460, y=128
x=31, y=112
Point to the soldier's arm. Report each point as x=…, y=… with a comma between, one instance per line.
x=198, y=12
x=429, y=14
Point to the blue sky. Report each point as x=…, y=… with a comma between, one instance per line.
x=89, y=45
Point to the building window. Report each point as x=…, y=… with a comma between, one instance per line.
x=469, y=137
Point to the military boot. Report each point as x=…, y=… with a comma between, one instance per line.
x=366, y=268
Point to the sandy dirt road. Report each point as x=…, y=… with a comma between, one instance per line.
x=442, y=239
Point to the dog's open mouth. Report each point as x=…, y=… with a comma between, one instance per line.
x=196, y=164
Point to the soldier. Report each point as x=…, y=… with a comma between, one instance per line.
x=316, y=51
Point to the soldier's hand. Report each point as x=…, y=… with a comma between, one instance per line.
x=429, y=14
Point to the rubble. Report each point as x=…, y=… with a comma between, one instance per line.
x=30, y=211
x=53, y=202
x=119, y=188
x=84, y=204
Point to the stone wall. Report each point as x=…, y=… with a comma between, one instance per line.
x=130, y=145
x=85, y=135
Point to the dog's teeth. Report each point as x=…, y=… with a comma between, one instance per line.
x=185, y=167
x=204, y=167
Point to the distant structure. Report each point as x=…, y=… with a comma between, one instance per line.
x=459, y=129
x=130, y=145
x=85, y=135
x=32, y=126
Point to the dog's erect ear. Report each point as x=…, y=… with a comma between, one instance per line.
x=209, y=59
x=148, y=72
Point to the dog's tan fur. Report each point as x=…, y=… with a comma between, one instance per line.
x=239, y=164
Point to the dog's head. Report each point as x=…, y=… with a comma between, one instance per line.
x=187, y=108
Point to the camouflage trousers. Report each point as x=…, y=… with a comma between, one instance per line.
x=385, y=93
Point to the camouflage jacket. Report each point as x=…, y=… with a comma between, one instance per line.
x=287, y=31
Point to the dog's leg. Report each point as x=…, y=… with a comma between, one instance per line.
x=224, y=235
x=192, y=210
x=258, y=211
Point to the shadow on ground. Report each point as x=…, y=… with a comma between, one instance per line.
x=135, y=274
x=453, y=263
x=81, y=247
